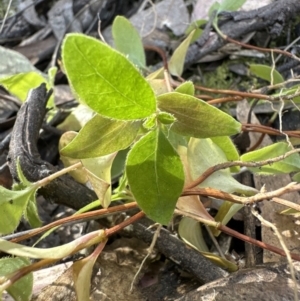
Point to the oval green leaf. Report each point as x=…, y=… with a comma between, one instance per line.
x=155, y=175
x=287, y=165
x=105, y=80
x=267, y=73
x=101, y=136
x=128, y=41
x=196, y=118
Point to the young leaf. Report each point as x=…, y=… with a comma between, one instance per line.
x=203, y=154
x=267, y=73
x=165, y=118
x=287, y=165
x=177, y=60
x=186, y=88
x=101, y=136
x=128, y=41
x=155, y=175
x=105, y=80
x=22, y=289
x=196, y=118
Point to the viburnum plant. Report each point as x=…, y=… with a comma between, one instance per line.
x=171, y=138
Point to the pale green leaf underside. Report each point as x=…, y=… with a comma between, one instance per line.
x=105, y=80
x=203, y=154
x=155, y=175
x=196, y=118
x=289, y=164
x=128, y=41
x=101, y=136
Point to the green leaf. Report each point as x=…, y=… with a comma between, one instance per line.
x=155, y=175
x=166, y=118
x=21, y=83
x=105, y=80
x=197, y=30
x=31, y=213
x=290, y=211
x=229, y=149
x=203, y=154
x=215, y=7
x=150, y=123
x=77, y=119
x=82, y=273
x=191, y=233
x=186, y=88
x=101, y=136
x=12, y=206
x=128, y=41
x=159, y=86
x=23, y=181
x=296, y=177
x=266, y=73
x=99, y=175
x=95, y=170
x=225, y=213
x=78, y=174
x=119, y=164
x=287, y=165
x=176, y=62
x=21, y=290
x=55, y=252
x=196, y=118
x=231, y=5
